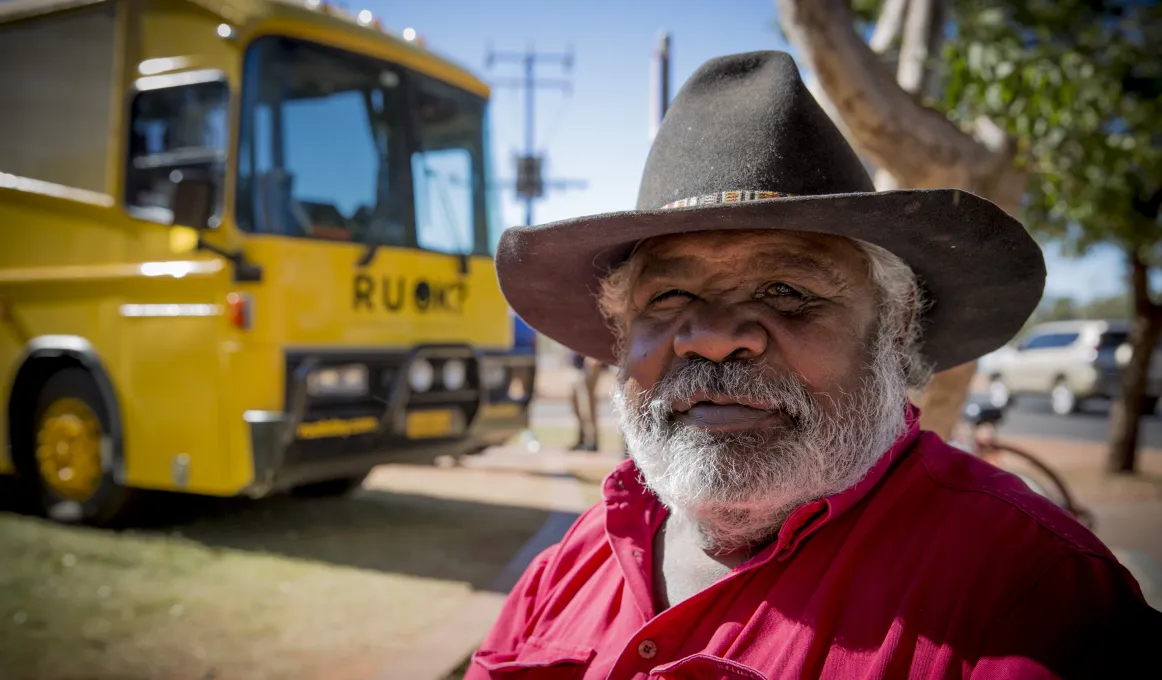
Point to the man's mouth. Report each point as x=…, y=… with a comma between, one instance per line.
x=725, y=414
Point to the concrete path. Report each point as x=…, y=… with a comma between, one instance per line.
x=545, y=483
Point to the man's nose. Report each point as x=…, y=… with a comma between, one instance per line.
x=718, y=333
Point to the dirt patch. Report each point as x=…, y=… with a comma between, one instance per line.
x=562, y=437
x=591, y=476
x=557, y=382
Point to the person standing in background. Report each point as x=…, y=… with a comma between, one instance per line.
x=584, y=398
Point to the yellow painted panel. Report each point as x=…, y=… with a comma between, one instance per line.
x=173, y=28
x=11, y=347
x=171, y=390
x=253, y=380
x=314, y=294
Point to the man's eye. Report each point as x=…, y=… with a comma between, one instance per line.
x=670, y=295
x=779, y=289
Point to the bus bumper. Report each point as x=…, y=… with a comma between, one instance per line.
x=295, y=447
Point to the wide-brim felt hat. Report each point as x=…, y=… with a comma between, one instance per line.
x=746, y=146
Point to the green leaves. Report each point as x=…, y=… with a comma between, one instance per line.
x=1077, y=83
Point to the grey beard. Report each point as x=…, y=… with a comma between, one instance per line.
x=738, y=487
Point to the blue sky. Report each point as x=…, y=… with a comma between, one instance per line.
x=600, y=132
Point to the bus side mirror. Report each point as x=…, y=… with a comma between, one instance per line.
x=193, y=201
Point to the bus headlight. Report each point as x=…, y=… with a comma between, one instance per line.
x=421, y=375
x=339, y=381
x=454, y=374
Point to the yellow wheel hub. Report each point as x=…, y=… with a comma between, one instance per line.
x=68, y=449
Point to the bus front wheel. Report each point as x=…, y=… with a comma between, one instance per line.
x=70, y=467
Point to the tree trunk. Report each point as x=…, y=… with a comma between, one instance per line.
x=942, y=401
x=1145, y=331
x=918, y=146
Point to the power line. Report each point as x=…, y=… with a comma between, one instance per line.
x=530, y=181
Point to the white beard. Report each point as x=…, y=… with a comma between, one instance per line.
x=738, y=487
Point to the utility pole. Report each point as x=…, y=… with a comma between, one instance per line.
x=659, y=83
x=530, y=182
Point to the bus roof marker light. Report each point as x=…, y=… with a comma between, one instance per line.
x=313, y=4
x=365, y=17
x=409, y=34
x=225, y=31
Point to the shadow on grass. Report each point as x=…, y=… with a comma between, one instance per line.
x=418, y=535
x=411, y=534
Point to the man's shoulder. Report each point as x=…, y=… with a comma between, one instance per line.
x=975, y=491
x=583, y=543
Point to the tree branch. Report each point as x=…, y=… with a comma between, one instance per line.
x=888, y=26
x=917, y=145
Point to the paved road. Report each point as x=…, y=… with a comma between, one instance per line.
x=1031, y=416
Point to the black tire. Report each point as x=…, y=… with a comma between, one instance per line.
x=111, y=504
x=330, y=488
x=1149, y=406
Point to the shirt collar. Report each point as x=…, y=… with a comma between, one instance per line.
x=810, y=517
x=624, y=486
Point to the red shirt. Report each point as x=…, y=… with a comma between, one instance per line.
x=936, y=565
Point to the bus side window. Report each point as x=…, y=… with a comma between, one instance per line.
x=175, y=131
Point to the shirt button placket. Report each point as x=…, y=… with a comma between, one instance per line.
x=647, y=649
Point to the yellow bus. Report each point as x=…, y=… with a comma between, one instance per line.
x=244, y=248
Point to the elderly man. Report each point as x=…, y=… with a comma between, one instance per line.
x=782, y=516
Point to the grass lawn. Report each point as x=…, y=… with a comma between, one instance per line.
x=281, y=588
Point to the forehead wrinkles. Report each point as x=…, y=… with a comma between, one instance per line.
x=713, y=260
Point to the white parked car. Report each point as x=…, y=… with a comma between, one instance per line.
x=1070, y=361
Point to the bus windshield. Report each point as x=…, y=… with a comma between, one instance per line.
x=342, y=147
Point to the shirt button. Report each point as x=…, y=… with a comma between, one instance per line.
x=647, y=649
